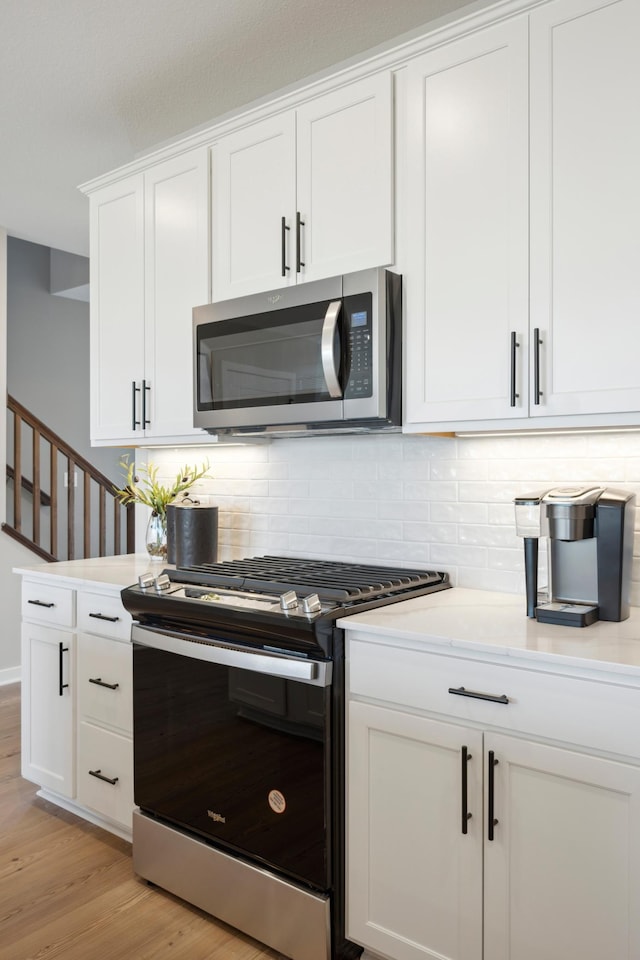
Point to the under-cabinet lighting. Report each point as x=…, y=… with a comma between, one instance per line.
x=549, y=431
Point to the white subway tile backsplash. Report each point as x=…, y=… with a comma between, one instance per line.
x=440, y=502
x=458, y=469
x=490, y=535
x=430, y=490
x=417, y=511
x=430, y=532
x=461, y=512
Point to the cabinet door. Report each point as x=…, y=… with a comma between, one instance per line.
x=345, y=179
x=414, y=879
x=48, y=708
x=466, y=288
x=562, y=874
x=253, y=188
x=585, y=205
x=176, y=280
x=117, y=310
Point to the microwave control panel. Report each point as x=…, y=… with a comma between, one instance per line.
x=359, y=334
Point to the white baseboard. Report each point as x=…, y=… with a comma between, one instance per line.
x=73, y=807
x=9, y=675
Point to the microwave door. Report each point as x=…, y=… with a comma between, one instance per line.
x=280, y=368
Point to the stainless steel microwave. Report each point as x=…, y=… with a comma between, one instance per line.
x=319, y=357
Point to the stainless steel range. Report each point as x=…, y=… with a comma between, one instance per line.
x=239, y=739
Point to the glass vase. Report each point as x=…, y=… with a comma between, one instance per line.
x=156, y=538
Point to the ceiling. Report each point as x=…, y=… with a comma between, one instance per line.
x=88, y=85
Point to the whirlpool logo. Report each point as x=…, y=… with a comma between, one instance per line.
x=216, y=817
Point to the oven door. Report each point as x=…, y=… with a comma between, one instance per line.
x=233, y=745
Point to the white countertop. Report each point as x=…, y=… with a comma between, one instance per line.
x=480, y=622
x=476, y=622
x=110, y=572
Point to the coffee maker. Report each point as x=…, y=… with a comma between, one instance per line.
x=589, y=533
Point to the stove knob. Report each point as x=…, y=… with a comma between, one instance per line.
x=146, y=580
x=289, y=600
x=163, y=583
x=311, y=604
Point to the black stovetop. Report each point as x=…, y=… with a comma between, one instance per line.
x=329, y=579
x=240, y=601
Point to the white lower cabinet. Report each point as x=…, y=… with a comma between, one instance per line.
x=48, y=707
x=413, y=877
x=105, y=728
x=562, y=875
x=468, y=843
x=77, y=709
x=105, y=772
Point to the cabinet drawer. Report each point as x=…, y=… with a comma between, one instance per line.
x=104, y=672
x=105, y=772
x=590, y=713
x=48, y=603
x=104, y=615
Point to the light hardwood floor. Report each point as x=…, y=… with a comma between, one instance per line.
x=68, y=891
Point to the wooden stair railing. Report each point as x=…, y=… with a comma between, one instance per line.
x=97, y=524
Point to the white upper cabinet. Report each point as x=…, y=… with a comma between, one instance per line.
x=253, y=203
x=345, y=179
x=585, y=205
x=522, y=292
x=466, y=288
x=150, y=267
x=117, y=308
x=176, y=281
x=305, y=194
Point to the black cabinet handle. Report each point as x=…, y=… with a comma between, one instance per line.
x=100, y=776
x=514, y=346
x=537, y=392
x=491, y=818
x=101, y=683
x=466, y=816
x=299, y=223
x=283, y=237
x=494, y=698
x=41, y=603
x=134, y=389
x=103, y=616
x=146, y=388
x=61, y=650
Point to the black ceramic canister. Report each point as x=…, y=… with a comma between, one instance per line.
x=193, y=528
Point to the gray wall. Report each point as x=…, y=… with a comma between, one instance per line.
x=48, y=353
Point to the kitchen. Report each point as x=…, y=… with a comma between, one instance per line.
x=444, y=501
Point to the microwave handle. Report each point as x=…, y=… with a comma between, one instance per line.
x=326, y=346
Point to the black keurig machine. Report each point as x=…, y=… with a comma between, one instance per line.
x=589, y=534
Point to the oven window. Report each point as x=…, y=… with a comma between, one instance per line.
x=236, y=757
x=264, y=360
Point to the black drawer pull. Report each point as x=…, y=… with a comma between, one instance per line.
x=101, y=683
x=514, y=346
x=103, y=616
x=466, y=816
x=492, y=820
x=134, y=389
x=461, y=692
x=100, y=776
x=40, y=603
x=61, y=651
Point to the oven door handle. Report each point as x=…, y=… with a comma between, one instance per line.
x=326, y=348
x=315, y=672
